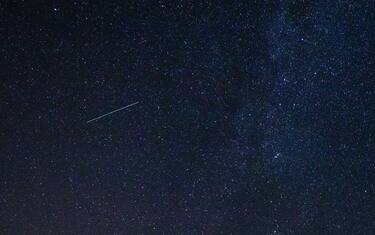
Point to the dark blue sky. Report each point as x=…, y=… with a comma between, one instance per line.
x=253, y=118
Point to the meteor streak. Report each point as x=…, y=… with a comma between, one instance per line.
x=114, y=111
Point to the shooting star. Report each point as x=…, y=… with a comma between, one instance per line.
x=114, y=111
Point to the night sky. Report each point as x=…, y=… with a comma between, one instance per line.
x=253, y=117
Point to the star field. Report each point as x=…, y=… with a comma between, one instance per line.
x=251, y=117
